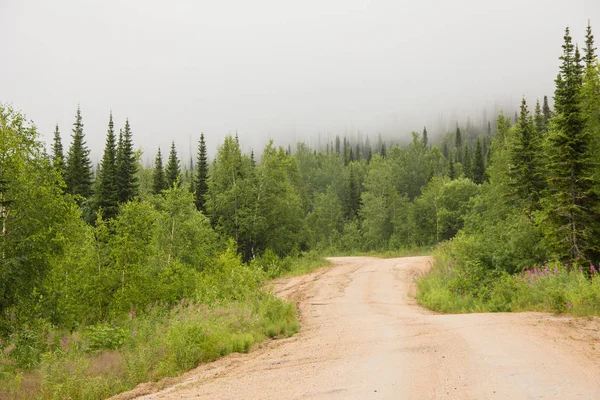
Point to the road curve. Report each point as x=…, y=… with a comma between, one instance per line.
x=364, y=337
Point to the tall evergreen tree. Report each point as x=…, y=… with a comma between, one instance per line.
x=458, y=144
x=383, y=150
x=489, y=128
x=159, y=181
x=451, y=168
x=540, y=122
x=201, y=177
x=337, y=144
x=58, y=156
x=425, y=138
x=546, y=111
x=526, y=160
x=172, y=170
x=78, y=172
x=107, y=196
x=478, y=164
x=571, y=203
x=127, y=181
x=589, y=50
x=467, y=162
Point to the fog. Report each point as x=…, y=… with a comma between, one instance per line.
x=277, y=69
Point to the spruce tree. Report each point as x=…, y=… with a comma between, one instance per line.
x=58, y=156
x=172, y=170
x=590, y=50
x=540, y=122
x=383, y=150
x=525, y=160
x=78, y=171
x=478, y=164
x=201, y=177
x=425, y=138
x=458, y=144
x=467, y=162
x=451, y=169
x=571, y=203
x=489, y=128
x=107, y=196
x=159, y=182
x=546, y=111
x=127, y=181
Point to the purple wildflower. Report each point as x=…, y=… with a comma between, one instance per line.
x=64, y=341
x=555, y=270
x=569, y=304
x=593, y=269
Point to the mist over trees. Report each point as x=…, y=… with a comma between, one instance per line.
x=81, y=246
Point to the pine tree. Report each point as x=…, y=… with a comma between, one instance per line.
x=467, y=162
x=451, y=169
x=159, y=182
x=107, y=195
x=369, y=155
x=425, y=138
x=489, y=128
x=127, y=182
x=525, y=160
x=357, y=153
x=172, y=170
x=58, y=157
x=78, y=171
x=515, y=118
x=478, y=164
x=540, y=122
x=546, y=111
x=383, y=150
x=458, y=144
x=201, y=177
x=337, y=144
x=570, y=205
x=590, y=50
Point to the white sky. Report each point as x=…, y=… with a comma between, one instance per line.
x=281, y=69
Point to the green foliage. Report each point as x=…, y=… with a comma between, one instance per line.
x=173, y=170
x=78, y=172
x=159, y=180
x=201, y=177
x=107, y=194
x=126, y=166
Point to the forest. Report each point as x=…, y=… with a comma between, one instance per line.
x=116, y=274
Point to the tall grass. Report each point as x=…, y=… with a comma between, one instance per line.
x=231, y=313
x=467, y=287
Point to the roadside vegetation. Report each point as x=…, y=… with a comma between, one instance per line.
x=124, y=273
x=531, y=239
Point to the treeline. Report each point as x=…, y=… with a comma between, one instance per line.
x=81, y=246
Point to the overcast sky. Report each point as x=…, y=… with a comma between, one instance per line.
x=275, y=68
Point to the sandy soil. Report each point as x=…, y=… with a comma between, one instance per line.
x=364, y=337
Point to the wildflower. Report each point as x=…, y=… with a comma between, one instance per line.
x=546, y=271
x=64, y=341
x=569, y=304
x=555, y=270
x=593, y=269
x=132, y=314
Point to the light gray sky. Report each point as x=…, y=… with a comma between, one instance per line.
x=275, y=68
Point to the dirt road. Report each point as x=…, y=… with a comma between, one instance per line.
x=364, y=337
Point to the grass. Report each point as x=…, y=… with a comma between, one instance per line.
x=99, y=361
x=469, y=288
